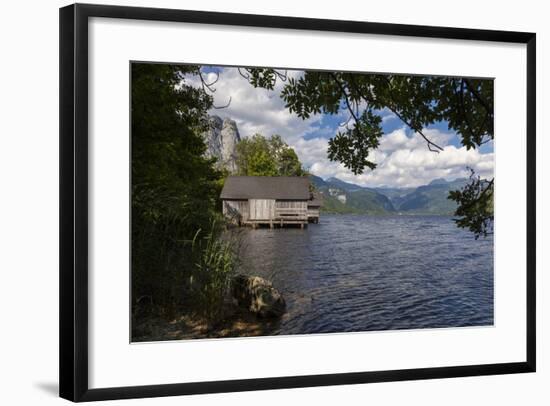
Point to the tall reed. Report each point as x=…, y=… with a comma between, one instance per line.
x=215, y=265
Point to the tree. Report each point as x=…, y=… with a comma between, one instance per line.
x=418, y=101
x=174, y=187
x=475, y=206
x=261, y=164
x=289, y=164
x=260, y=156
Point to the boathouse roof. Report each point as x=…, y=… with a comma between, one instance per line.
x=316, y=201
x=266, y=187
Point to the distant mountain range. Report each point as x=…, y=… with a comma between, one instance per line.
x=344, y=197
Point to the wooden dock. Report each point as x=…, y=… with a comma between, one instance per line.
x=285, y=216
x=313, y=215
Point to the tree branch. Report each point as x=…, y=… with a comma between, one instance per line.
x=346, y=96
x=418, y=130
x=463, y=109
x=476, y=94
x=430, y=143
x=244, y=75
x=207, y=87
x=282, y=76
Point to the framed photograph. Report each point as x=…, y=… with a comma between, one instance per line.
x=257, y=202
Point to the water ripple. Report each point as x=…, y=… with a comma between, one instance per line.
x=361, y=273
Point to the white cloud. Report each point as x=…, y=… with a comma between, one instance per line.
x=387, y=115
x=403, y=160
x=257, y=110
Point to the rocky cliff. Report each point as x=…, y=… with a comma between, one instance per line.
x=221, y=141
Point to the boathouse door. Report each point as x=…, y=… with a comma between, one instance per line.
x=262, y=209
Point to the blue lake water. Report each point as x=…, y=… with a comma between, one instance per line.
x=362, y=273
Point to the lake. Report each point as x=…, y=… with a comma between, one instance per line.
x=365, y=273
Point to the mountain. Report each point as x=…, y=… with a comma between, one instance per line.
x=396, y=195
x=431, y=198
x=344, y=197
x=438, y=181
x=317, y=181
x=340, y=184
x=221, y=140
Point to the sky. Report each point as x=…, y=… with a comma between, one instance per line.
x=403, y=158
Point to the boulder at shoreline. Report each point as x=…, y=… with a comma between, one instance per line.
x=258, y=296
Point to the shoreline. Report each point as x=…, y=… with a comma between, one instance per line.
x=238, y=323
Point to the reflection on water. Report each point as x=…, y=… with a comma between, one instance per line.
x=361, y=273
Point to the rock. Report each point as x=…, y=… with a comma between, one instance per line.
x=213, y=138
x=221, y=140
x=230, y=137
x=258, y=296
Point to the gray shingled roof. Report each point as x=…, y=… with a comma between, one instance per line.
x=317, y=200
x=266, y=187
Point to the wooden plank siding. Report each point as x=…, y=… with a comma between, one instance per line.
x=295, y=210
x=291, y=204
x=261, y=209
x=236, y=210
x=266, y=211
x=313, y=212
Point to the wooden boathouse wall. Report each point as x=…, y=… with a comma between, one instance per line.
x=266, y=211
x=236, y=210
x=261, y=209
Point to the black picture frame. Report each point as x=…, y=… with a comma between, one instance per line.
x=73, y=252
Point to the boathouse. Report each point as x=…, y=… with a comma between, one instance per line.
x=266, y=200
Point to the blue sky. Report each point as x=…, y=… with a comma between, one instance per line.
x=392, y=123
x=403, y=158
